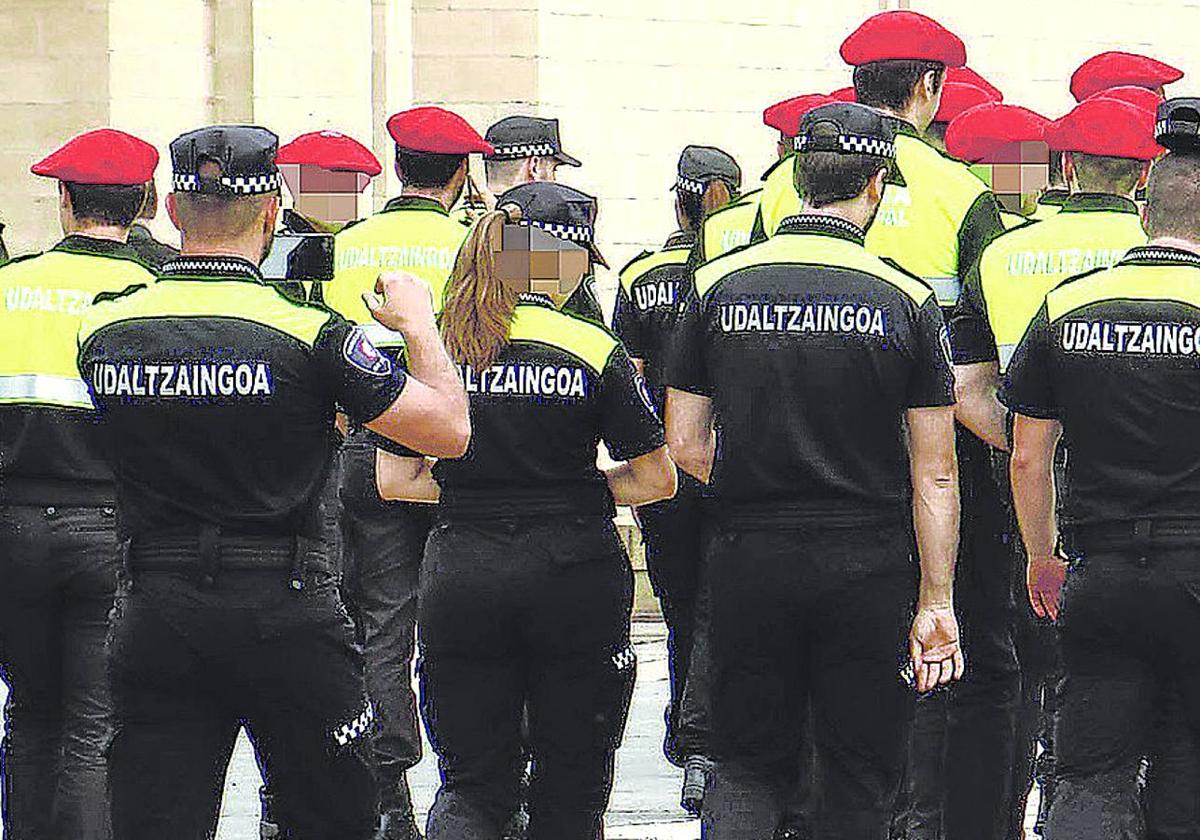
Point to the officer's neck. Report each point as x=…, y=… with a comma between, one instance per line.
x=442, y=195
x=1190, y=245
x=911, y=114
x=856, y=211
x=78, y=227
x=249, y=249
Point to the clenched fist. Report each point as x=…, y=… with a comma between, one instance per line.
x=401, y=302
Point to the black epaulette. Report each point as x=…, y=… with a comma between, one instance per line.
x=350, y=224
x=893, y=264
x=23, y=257
x=107, y=297
x=640, y=256
x=1075, y=277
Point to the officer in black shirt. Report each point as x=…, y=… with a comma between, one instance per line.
x=526, y=590
x=810, y=358
x=217, y=395
x=1109, y=361
x=647, y=300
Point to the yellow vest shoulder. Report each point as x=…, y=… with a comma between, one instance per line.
x=588, y=341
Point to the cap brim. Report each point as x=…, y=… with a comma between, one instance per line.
x=566, y=160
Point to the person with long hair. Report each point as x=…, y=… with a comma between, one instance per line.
x=526, y=589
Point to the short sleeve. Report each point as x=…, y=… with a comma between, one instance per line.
x=628, y=326
x=932, y=381
x=971, y=336
x=687, y=369
x=629, y=426
x=1028, y=386
x=363, y=379
x=980, y=226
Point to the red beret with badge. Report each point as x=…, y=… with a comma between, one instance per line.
x=436, y=130
x=105, y=156
x=1105, y=127
x=898, y=35
x=785, y=116
x=988, y=132
x=958, y=97
x=330, y=150
x=1114, y=69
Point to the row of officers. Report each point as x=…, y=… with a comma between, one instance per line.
x=840, y=404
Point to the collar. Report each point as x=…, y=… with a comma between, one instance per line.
x=413, y=202
x=1160, y=255
x=681, y=239
x=536, y=299
x=1093, y=202
x=824, y=226
x=1055, y=197
x=905, y=127
x=77, y=243
x=210, y=268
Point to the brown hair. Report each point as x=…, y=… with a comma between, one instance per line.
x=478, y=305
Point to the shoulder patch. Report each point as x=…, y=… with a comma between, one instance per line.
x=358, y=350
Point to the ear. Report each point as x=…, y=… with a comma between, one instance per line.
x=173, y=211
x=717, y=195
x=1145, y=176
x=1068, y=168
x=876, y=186
x=271, y=215
x=64, y=198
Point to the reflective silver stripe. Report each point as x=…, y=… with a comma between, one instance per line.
x=947, y=289
x=36, y=387
x=1005, y=351
x=381, y=336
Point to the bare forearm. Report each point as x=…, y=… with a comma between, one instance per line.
x=1034, y=499
x=978, y=406
x=936, y=520
x=429, y=363
x=696, y=458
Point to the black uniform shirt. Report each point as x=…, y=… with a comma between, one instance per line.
x=560, y=386
x=217, y=394
x=647, y=299
x=812, y=350
x=1115, y=355
x=148, y=249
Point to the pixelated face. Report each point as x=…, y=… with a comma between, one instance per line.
x=324, y=195
x=532, y=260
x=1018, y=173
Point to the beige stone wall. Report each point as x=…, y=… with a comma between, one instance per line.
x=633, y=81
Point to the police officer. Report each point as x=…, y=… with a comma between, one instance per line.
x=1097, y=224
x=526, y=590
x=57, y=528
x=647, y=300
x=812, y=356
x=217, y=395
x=142, y=241
x=383, y=542
x=1107, y=362
x=957, y=99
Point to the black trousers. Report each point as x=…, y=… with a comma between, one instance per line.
x=523, y=615
x=57, y=578
x=672, y=532
x=1129, y=628
x=808, y=620
x=382, y=545
x=189, y=663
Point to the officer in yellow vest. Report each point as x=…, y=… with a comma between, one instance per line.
x=383, y=541
x=57, y=496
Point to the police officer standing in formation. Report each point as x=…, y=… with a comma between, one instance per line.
x=57, y=497
x=811, y=582
x=383, y=541
x=647, y=301
x=1108, y=363
x=217, y=396
x=526, y=590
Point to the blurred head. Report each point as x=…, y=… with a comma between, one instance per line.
x=1018, y=174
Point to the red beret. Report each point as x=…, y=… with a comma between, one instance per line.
x=105, y=156
x=785, y=116
x=1139, y=97
x=845, y=94
x=979, y=133
x=431, y=129
x=330, y=150
x=1108, y=127
x=965, y=75
x=1114, y=69
x=903, y=35
x=958, y=97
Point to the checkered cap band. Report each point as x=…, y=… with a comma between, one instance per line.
x=625, y=658
x=856, y=144
x=239, y=184
x=690, y=185
x=355, y=729
x=523, y=150
x=572, y=233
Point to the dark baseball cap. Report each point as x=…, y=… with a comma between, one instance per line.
x=519, y=137
x=244, y=156
x=557, y=209
x=701, y=165
x=848, y=128
x=1177, y=124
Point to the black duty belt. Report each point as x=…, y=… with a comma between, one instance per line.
x=207, y=551
x=1137, y=532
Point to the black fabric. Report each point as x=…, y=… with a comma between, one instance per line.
x=814, y=618
x=520, y=614
x=783, y=453
x=148, y=249
x=645, y=314
x=537, y=451
x=979, y=227
x=59, y=572
x=971, y=336
x=253, y=462
x=189, y=664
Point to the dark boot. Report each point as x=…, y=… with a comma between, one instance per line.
x=396, y=820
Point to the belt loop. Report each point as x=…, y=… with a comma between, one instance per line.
x=209, y=560
x=299, y=547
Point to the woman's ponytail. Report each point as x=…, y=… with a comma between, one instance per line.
x=478, y=305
